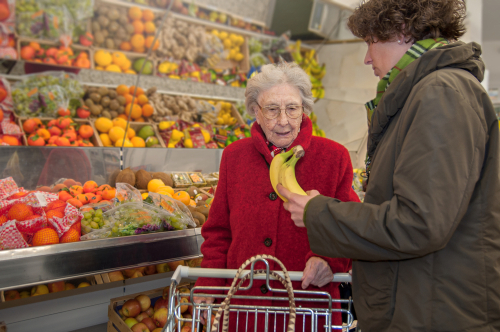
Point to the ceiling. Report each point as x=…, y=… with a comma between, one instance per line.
x=491, y=22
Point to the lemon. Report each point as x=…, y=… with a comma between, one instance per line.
x=233, y=53
x=171, y=145
x=103, y=58
x=176, y=135
x=127, y=143
x=130, y=133
x=103, y=124
x=154, y=184
x=116, y=133
x=105, y=140
x=227, y=43
x=223, y=35
x=215, y=32
x=211, y=102
x=238, y=57
x=240, y=41
x=225, y=117
x=144, y=195
x=234, y=38
x=113, y=68
x=220, y=121
x=188, y=143
x=120, y=122
x=125, y=66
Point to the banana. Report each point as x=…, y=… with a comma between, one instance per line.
x=274, y=169
x=287, y=174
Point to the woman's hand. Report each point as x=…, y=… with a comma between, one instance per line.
x=316, y=273
x=296, y=203
x=204, y=313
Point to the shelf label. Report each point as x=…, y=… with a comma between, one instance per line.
x=41, y=199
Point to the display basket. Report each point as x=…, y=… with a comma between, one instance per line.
x=306, y=313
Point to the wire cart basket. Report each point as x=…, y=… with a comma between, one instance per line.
x=302, y=304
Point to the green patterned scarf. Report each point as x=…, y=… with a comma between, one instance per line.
x=415, y=52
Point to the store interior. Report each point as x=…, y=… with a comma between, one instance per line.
x=170, y=125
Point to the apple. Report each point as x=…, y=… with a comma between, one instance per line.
x=56, y=286
x=129, y=272
x=116, y=276
x=160, y=317
x=131, y=322
x=140, y=327
x=157, y=330
x=186, y=328
x=183, y=307
x=188, y=316
x=145, y=301
x=184, y=290
x=68, y=286
x=150, y=312
x=120, y=312
x=150, y=269
x=166, y=291
x=141, y=316
x=141, y=269
x=131, y=308
x=194, y=262
x=161, y=303
x=162, y=268
x=39, y=290
x=24, y=294
x=173, y=265
x=149, y=322
x=137, y=274
x=12, y=295
x=83, y=284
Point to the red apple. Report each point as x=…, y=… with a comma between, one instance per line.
x=141, y=316
x=68, y=286
x=161, y=303
x=131, y=322
x=149, y=322
x=150, y=312
x=129, y=272
x=160, y=317
x=151, y=269
x=140, y=327
x=115, y=276
x=12, y=295
x=186, y=328
x=56, y=286
x=145, y=301
x=137, y=274
x=166, y=291
x=183, y=307
x=131, y=308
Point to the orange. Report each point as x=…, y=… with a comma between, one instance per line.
x=134, y=110
x=1, y=115
x=116, y=133
x=137, y=41
x=45, y=236
x=138, y=26
x=119, y=122
x=183, y=197
x=130, y=133
x=140, y=50
x=141, y=119
x=125, y=46
x=142, y=100
x=105, y=140
x=167, y=189
x=20, y=212
x=72, y=235
x=54, y=213
x=123, y=116
x=128, y=98
x=149, y=42
x=135, y=13
x=138, y=142
x=149, y=27
x=148, y=15
x=122, y=89
x=139, y=90
x=103, y=124
x=11, y=140
x=147, y=110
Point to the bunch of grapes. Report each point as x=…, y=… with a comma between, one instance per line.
x=93, y=219
x=147, y=228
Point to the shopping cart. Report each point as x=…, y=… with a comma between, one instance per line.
x=319, y=318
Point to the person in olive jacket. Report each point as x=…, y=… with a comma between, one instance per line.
x=426, y=240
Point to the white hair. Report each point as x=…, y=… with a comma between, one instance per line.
x=276, y=74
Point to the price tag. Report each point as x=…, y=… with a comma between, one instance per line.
x=246, y=19
x=41, y=199
x=212, y=8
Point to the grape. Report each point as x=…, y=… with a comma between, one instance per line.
x=85, y=222
x=97, y=219
x=94, y=225
x=87, y=215
x=114, y=229
x=87, y=229
x=98, y=212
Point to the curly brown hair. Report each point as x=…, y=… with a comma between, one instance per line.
x=383, y=20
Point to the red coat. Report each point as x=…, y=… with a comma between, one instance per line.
x=245, y=220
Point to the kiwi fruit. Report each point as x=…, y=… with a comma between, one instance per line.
x=130, y=28
x=113, y=26
x=106, y=114
x=105, y=101
x=142, y=179
x=193, y=191
x=96, y=27
x=203, y=210
x=126, y=176
x=100, y=107
x=199, y=216
x=99, y=38
x=110, y=43
x=200, y=203
x=103, y=21
x=121, y=33
x=96, y=97
x=113, y=14
x=105, y=34
x=114, y=105
x=112, y=94
x=102, y=10
x=166, y=178
x=123, y=19
x=114, y=114
x=112, y=178
x=89, y=103
x=121, y=110
x=197, y=222
x=122, y=100
x=95, y=110
x=103, y=91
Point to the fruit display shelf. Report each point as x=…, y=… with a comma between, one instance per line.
x=30, y=266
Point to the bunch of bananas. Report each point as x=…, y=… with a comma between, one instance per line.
x=282, y=171
x=317, y=131
x=315, y=71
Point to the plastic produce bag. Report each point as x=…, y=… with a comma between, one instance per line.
x=182, y=216
x=125, y=193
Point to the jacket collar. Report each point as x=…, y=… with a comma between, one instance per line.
x=304, y=138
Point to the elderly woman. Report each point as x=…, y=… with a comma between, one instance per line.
x=247, y=217
x=426, y=240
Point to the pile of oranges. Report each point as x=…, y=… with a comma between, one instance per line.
x=62, y=131
x=157, y=186
x=63, y=56
x=144, y=30
x=89, y=193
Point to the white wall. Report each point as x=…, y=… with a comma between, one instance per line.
x=474, y=21
x=349, y=84
x=491, y=57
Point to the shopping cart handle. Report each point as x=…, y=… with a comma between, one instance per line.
x=191, y=272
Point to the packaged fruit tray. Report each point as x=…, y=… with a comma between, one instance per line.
x=47, y=128
x=52, y=53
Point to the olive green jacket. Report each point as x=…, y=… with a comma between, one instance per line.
x=426, y=241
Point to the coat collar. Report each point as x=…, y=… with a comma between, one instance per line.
x=304, y=138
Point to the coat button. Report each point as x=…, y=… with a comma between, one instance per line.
x=263, y=289
x=273, y=196
x=268, y=242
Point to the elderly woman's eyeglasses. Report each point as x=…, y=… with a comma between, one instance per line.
x=271, y=112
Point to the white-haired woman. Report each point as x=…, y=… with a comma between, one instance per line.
x=247, y=217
